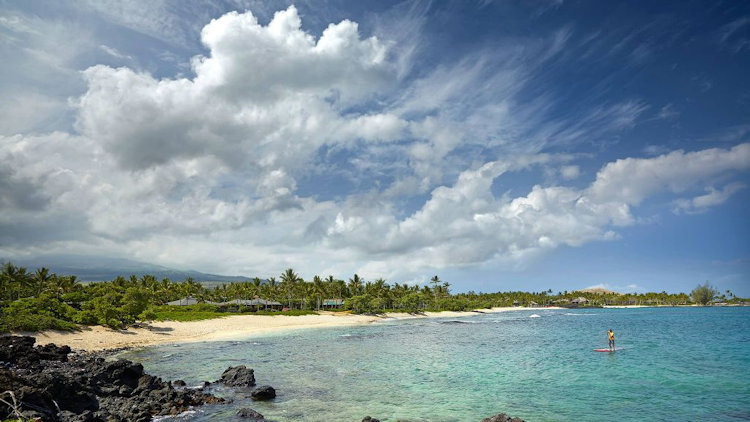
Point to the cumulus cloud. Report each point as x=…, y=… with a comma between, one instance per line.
x=208, y=170
x=632, y=180
x=266, y=96
x=466, y=223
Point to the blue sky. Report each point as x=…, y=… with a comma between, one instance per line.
x=501, y=145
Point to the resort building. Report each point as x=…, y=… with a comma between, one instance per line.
x=185, y=301
x=579, y=301
x=254, y=304
x=332, y=304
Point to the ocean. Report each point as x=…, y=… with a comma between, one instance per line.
x=682, y=364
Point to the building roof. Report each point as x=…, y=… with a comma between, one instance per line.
x=579, y=300
x=185, y=301
x=252, y=302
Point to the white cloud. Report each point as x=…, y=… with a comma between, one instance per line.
x=570, y=172
x=114, y=53
x=205, y=170
x=732, y=35
x=466, y=224
x=632, y=180
x=668, y=112
x=266, y=97
x=713, y=198
x=39, y=71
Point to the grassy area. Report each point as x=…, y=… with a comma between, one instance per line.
x=201, y=311
x=169, y=315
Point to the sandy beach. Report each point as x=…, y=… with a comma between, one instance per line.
x=237, y=326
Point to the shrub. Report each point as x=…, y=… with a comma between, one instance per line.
x=704, y=294
x=37, y=314
x=147, y=315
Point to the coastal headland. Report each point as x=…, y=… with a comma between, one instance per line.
x=95, y=338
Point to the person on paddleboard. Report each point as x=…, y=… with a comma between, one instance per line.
x=611, y=336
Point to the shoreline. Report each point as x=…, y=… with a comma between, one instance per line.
x=99, y=338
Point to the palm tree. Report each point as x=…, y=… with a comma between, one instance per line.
x=270, y=288
x=257, y=282
x=289, y=279
x=15, y=278
x=435, y=281
x=381, y=290
x=40, y=281
x=355, y=285
x=62, y=285
x=319, y=289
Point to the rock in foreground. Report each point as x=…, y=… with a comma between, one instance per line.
x=250, y=414
x=49, y=384
x=264, y=392
x=238, y=376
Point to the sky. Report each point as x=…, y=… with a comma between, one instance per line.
x=500, y=145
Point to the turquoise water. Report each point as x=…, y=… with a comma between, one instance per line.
x=676, y=364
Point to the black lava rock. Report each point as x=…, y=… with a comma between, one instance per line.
x=264, y=392
x=50, y=385
x=238, y=376
x=250, y=414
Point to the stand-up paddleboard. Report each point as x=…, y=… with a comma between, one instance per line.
x=608, y=349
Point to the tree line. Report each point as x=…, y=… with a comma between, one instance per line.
x=41, y=300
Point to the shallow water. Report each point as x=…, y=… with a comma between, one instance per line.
x=675, y=364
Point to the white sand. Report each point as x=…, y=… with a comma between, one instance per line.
x=237, y=326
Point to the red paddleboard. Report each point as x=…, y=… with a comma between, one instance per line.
x=607, y=350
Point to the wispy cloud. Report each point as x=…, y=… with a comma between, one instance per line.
x=734, y=35
x=713, y=197
x=114, y=53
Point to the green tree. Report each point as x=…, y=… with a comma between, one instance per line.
x=319, y=289
x=289, y=279
x=435, y=281
x=40, y=280
x=15, y=281
x=410, y=302
x=356, y=286
x=703, y=294
x=134, y=301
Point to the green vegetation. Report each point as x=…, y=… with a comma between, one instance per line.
x=41, y=300
x=206, y=311
x=185, y=313
x=704, y=294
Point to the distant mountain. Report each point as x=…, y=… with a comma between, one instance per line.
x=95, y=268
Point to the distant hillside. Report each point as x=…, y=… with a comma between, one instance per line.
x=599, y=290
x=88, y=268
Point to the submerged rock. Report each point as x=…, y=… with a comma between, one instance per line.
x=249, y=413
x=502, y=417
x=50, y=385
x=264, y=392
x=238, y=376
x=369, y=419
